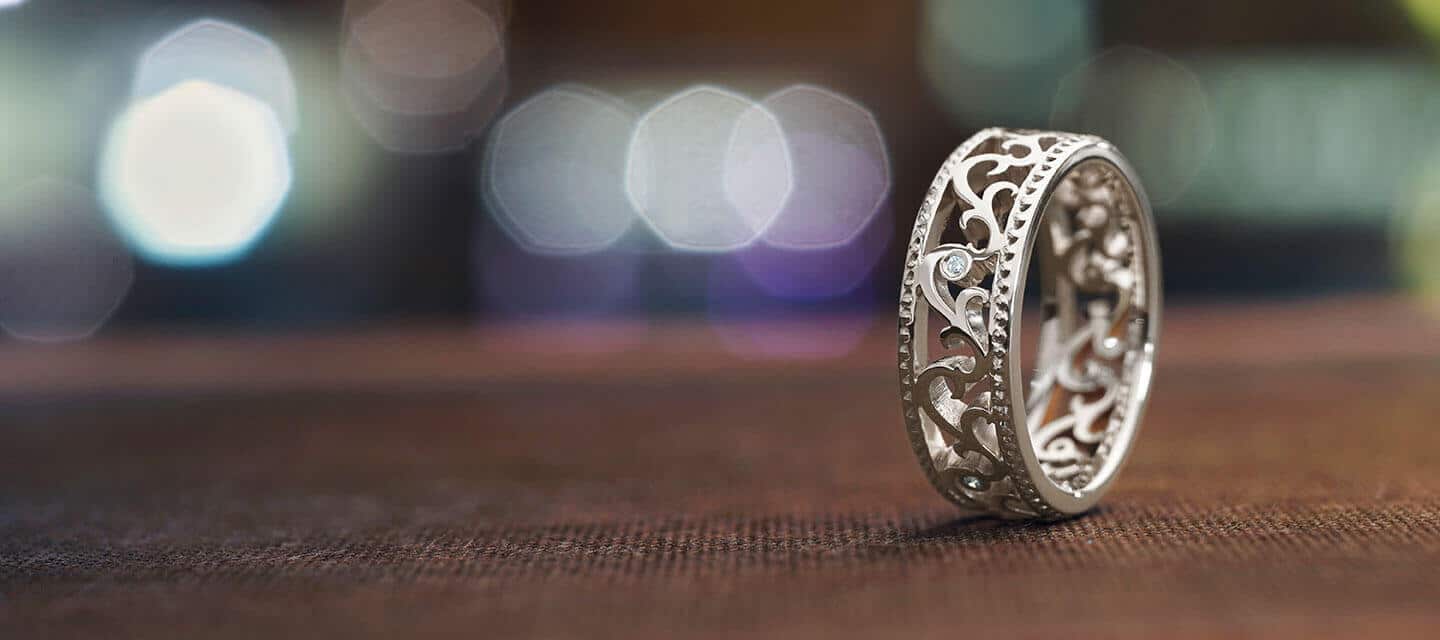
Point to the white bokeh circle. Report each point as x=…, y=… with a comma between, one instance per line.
x=223, y=54
x=554, y=171
x=840, y=168
x=195, y=175
x=708, y=170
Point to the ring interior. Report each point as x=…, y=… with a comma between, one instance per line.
x=1092, y=252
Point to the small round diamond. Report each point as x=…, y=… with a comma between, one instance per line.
x=955, y=265
x=972, y=483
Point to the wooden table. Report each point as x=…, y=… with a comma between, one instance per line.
x=519, y=482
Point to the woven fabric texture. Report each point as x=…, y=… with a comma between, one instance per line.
x=1290, y=499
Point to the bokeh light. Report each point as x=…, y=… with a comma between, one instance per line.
x=1415, y=233
x=53, y=100
x=11, y=115
x=840, y=166
x=9, y=4
x=1299, y=139
x=708, y=170
x=554, y=171
x=194, y=175
x=62, y=270
x=222, y=54
x=998, y=63
x=1147, y=104
x=424, y=76
x=820, y=273
x=1425, y=14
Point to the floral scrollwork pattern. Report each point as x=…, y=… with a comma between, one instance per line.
x=963, y=271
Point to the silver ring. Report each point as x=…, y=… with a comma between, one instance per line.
x=1074, y=204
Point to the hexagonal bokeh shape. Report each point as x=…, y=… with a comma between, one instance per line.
x=423, y=76
x=817, y=273
x=708, y=170
x=426, y=133
x=422, y=57
x=969, y=58
x=840, y=164
x=195, y=175
x=1126, y=95
x=554, y=171
x=224, y=54
x=62, y=270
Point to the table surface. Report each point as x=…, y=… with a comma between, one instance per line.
x=508, y=482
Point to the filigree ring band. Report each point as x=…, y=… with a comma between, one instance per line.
x=1001, y=429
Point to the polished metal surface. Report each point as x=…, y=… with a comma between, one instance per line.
x=1070, y=206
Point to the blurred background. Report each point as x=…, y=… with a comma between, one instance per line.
x=577, y=318
x=287, y=166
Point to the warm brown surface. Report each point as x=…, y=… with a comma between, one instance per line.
x=1287, y=484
